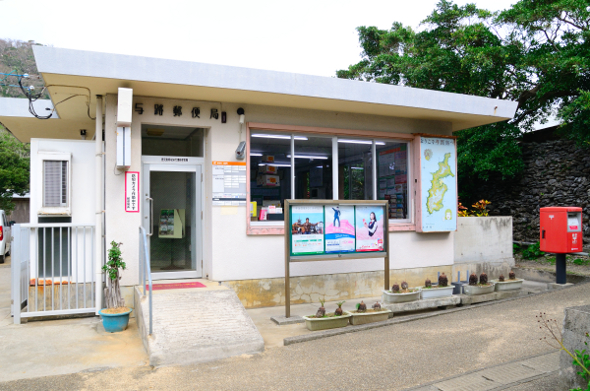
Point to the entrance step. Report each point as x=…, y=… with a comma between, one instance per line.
x=195, y=325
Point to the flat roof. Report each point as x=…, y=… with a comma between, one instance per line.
x=94, y=73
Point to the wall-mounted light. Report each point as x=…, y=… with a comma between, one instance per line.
x=367, y=142
x=255, y=154
x=311, y=157
x=242, y=113
x=280, y=136
x=275, y=164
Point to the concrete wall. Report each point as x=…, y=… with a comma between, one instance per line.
x=483, y=244
x=21, y=212
x=576, y=327
x=229, y=253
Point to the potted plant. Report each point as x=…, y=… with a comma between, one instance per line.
x=362, y=315
x=323, y=321
x=512, y=283
x=475, y=288
x=397, y=295
x=443, y=289
x=115, y=317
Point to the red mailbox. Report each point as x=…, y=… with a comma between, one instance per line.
x=561, y=230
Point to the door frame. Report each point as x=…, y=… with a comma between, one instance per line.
x=176, y=164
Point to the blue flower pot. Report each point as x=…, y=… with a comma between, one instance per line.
x=114, y=323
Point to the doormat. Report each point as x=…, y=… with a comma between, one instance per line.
x=177, y=285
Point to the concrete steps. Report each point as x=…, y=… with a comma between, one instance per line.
x=195, y=325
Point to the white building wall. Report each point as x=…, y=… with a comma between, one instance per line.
x=229, y=253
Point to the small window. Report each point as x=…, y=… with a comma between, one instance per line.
x=55, y=183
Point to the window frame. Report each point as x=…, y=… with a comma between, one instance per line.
x=272, y=228
x=63, y=210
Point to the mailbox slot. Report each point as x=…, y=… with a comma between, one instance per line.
x=574, y=222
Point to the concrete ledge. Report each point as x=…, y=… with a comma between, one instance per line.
x=554, y=286
x=283, y=320
x=468, y=299
x=423, y=304
x=508, y=294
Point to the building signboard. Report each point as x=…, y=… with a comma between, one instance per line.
x=132, y=192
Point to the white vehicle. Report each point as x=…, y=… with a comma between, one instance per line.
x=5, y=236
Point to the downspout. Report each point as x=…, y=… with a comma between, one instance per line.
x=98, y=165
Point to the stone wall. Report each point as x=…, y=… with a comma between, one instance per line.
x=557, y=173
x=575, y=326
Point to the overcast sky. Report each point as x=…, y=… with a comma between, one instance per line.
x=312, y=37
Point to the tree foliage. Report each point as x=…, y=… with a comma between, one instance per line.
x=535, y=53
x=17, y=57
x=14, y=169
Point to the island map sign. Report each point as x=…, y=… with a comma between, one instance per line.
x=438, y=176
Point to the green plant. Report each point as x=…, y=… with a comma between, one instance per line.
x=479, y=209
x=361, y=307
x=533, y=251
x=395, y=288
x=443, y=280
x=338, y=311
x=113, y=289
x=581, y=262
x=579, y=358
x=483, y=278
x=472, y=279
x=516, y=248
x=321, y=311
x=428, y=283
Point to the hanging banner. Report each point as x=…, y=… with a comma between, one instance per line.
x=132, y=192
x=340, y=232
x=307, y=230
x=438, y=183
x=369, y=228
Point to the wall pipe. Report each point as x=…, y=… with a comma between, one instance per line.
x=98, y=165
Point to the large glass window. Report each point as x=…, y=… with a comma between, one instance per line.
x=392, y=176
x=270, y=174
x=313, y=168
x=358, y=176
x=355, y=169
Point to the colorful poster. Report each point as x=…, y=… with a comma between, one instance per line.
x=340, y=235
x=369, y=228
x=307, y=230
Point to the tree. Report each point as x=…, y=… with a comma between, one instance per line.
x=14, y=169
x=535, y=53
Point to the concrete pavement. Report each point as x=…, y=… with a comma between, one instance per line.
x=422, y=352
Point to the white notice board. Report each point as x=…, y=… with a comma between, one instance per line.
x=229, y=181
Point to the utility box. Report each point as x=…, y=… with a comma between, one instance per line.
x=561, y=230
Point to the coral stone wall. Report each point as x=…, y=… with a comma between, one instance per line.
x=557, y=173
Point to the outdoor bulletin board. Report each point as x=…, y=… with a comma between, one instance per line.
x=326, y=230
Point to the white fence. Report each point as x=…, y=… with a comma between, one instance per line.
x=53, y=270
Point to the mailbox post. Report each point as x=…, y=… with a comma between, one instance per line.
x=561, y=233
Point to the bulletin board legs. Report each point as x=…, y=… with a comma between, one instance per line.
x=386, y=279
x=287, y=291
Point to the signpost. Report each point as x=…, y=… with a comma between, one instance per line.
x=327, y=230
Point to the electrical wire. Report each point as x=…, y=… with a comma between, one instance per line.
x=27, y=92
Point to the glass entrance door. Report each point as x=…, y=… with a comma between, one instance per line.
x=172, y=218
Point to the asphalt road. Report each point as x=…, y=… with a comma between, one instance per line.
x=388, y=358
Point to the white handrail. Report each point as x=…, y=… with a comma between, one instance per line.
x=145, y=271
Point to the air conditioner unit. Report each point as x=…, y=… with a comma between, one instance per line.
x=56, y=185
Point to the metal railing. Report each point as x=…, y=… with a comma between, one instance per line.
x=53, y=270
x=145, y=272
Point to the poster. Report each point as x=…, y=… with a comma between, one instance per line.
x=340, y=234
x=369, y=228
x=307, y=230
x=438, y=169
x=132, y=191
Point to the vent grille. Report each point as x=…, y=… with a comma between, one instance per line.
x=55, y=182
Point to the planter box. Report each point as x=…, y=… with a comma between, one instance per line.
x=368, y=317
x=391, y=298
x=472, y=290
x=435, y=292
x=314, y=324
x=508, y=285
